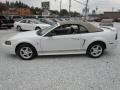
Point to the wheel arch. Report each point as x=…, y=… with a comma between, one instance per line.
x=37, y=27
x=18, y=26
x=25, y=43
x=98, y=41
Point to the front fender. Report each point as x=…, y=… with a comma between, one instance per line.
x=33, y=43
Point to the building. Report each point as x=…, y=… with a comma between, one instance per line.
x=109, y=15
x=24, y=11
x=10, y=11
x=17, y=11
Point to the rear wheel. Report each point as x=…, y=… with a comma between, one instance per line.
x=95, y=50
x=26, y=52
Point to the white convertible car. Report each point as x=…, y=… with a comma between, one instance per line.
x=63, y=38
x=30, y=24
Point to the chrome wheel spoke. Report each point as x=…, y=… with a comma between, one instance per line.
x=27, y=55
x=26, y=52
x=96, y=50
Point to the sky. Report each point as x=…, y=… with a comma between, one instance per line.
x=102, y=5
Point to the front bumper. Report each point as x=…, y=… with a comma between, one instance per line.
x=9, y=49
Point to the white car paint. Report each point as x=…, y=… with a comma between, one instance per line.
x=30, y=26
x=65, y=44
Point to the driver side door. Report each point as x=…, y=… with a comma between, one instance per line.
x=62, y=40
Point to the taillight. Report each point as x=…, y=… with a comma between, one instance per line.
x=116, y=37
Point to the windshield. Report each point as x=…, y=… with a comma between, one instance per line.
x=44, y=31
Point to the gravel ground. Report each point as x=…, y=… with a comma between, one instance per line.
x=69, y=72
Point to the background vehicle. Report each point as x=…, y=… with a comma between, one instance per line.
x=63, y=38
x=97, y=19
x=5, y=22
x=29, y=17
x=15, y=17
x=106, y=22
x=47, y=21
x=117, y=19
x=30, y=24
x=37, y=16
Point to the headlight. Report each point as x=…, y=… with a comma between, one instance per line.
x=8, y=42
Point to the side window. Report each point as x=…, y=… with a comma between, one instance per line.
x=62, y=30
x=74, y=29
x=30, y=22
x=67, y=29
x=23, y=21
x=82, y=29
x=35, y=22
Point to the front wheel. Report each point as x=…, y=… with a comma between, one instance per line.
x=95, y=50
x=26, y=52
x=19, y=28
x=37, y=28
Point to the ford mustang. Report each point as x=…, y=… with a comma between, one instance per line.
x=66, y=37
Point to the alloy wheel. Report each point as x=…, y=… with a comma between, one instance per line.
x=26, y=52
x=96, y=50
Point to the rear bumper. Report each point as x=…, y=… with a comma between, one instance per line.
x=112, y=46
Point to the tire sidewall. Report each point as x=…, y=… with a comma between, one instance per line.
x=20, y=29
x=34, y=54
x=89, y=50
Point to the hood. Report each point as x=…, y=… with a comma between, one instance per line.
x=24, y=35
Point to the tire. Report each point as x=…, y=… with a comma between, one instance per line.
x=26, y=52
x=19, y=28
x=95, y=50
x=37, y=28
